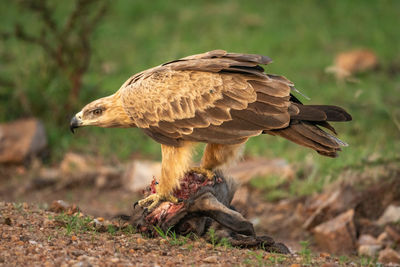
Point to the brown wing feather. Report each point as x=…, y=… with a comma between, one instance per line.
x=220, y=97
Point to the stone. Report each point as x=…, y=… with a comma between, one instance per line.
x=391, y=215
x=329, y=264
x=59, y=206
x=383, y=238
x=367, y=240
x=74, y=163
x=368, y=250
x=330, y=204
x=211, y=259
x=139, y=174
x=388, y=256
x=21, y=140
x=244, y=171
x=392, y=234
x=337, y=235
x=354, y=61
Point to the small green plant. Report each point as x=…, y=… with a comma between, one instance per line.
x=366, y=261
x=111, y=229
x=129, y=229
x=276, y=259
x=343, y=259
x=161, y=233
x=305, y=252
x=75, y=223
x=258, y=256
x=224, y=242
x=18, y=206
x=190, y=247
x=213, y=237
x=171, y=236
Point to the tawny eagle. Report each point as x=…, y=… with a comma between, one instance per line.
x=218, y=98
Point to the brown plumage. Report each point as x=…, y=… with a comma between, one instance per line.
x=218, y=98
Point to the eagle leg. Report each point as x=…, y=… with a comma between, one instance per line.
x=175, y=163
x=217, y=155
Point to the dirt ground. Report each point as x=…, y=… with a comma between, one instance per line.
x=36, y=234
x=30, y=234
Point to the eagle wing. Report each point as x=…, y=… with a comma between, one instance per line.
x=215, y=97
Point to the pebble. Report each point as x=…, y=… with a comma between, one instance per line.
x=329, y=264
x=324, y=255
x=114, y=260
x=368, y=250
x=388, y=255
x=368, y=240
x=209, y=246
x=211, y=259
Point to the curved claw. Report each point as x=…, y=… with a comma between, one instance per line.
x=154, y=200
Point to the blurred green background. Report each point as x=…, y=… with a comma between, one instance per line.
x=302, y=37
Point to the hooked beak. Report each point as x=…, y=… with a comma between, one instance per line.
x=75, y=123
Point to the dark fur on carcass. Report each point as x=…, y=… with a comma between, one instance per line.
x=204, y=204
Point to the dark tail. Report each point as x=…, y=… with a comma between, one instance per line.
x=303, y=128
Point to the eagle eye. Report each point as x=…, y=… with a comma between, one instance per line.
x=97, y=111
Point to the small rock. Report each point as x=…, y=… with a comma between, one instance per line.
x=59, y=206
x=367, y=240
x=246, y=170
x=369, y=250
x=114, y=260
x=211, y=259
x=73, y=163
x=388, y=255
x=20, y=140
x=391, y=214
x=392, y=233
x=337, y=235
x=330, y=204
x=324, y=255
x=351, y=62
x=383, y=238
x=329, y=264
x=139, y=174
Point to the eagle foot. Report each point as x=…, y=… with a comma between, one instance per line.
x=153, y=200
x=206, y=172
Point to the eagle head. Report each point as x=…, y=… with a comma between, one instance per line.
x=104, y=112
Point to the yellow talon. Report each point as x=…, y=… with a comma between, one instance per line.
x=207, y=173
x=155, y=199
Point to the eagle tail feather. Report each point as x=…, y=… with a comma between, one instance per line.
x=303, y=128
